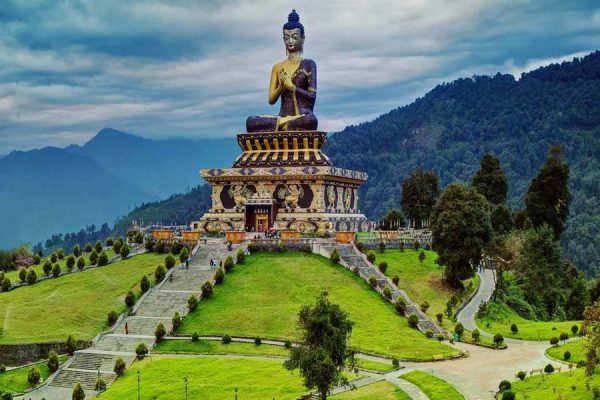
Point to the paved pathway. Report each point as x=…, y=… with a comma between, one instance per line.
x=466, y=316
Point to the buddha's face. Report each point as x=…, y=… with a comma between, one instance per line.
x=293, y=40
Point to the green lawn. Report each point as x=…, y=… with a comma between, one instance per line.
x=263, y=296
x=374, y=366
x=577, y=348
x=211, y=378
x=434, y=387
x=375, y=391
x=499, y=317
x=566, y=385
x=15, y=380
x=215, y=347
x=39, y=271
x=76, y=304
x=422, y=281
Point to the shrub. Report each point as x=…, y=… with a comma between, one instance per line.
x=549, y=369
x=257, y=341
x=439, y=317
x=360, y=246
x=521, y=375
x=6, y=285
x=52, y=361
x=110, y=242
x=23, y=275
x=226, y=339
x=383, y=266
x=53, y=258
x=78, y=392
x=192, y=302
x=381, y=246
x=334, y=256
x=184, y=255
x=228, y=264
x=160, y=332
x=567, y=355
x=70, y=262
x=498, y=339
x=117, y=247
x=387, y=292
x=139, y=238
x=176, y=321
x=475, y=334
x=207, y=289
x=371, y=257
x=2, y=368
x=241, y=256
x=564, y=336
x=553, y=340
x=56, y=270
x=47, y=267
x=356, y=271
x=130, y=299
x=504, y=385
x=395, y=362
x=402, y=246
x=98, y=246
x=396, y=280
x=422, y=256
x=400, y=305
x=287, y=344
x=429, y=333
x=70, y=345
x=60, y=253
x=112, y=317
x=372, y=280
x=574, y=329
x=149, y=244
x=103, y=258
x=31, y=277
x=37, y=259
x=413, y=320
x=424, y=306
x=219, y=276
x=195, y=337
x=514, y=329
x=176, y=248
x=508, y=395
x=159, y=274
x=119, y=367
x=145, y=284
x=33, y=377
x=169, y=261
x=141, y=350
x=459, y=329
x=100, y=385
x=93, y=257
x=160, y=247
x=80, y=263
x=124, y=251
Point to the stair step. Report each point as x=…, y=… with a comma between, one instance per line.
x=68, y=378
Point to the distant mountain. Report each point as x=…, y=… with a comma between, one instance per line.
x=454, y=125
x=159, y=167
x=51, y=190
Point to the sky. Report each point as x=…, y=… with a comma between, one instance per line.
x=197, y=69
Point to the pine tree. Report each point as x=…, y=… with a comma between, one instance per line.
x=490, y=180
x=419, y=194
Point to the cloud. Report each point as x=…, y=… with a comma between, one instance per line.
x=197, y=69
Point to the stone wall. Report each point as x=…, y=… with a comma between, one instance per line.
x=20, y=354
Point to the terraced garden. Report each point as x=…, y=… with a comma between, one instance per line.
x=263, y=296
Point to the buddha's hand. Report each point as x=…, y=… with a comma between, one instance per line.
x=286, y=80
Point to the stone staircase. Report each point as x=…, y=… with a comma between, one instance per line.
x=67, y=378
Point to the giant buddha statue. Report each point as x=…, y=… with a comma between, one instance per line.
x=294, y=80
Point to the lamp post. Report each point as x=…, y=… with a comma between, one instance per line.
x=98, y=382
x=186, y=384
x=138, y=376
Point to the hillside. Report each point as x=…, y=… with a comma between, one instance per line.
x=452, y=126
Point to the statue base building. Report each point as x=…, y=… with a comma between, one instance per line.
x=283, y=181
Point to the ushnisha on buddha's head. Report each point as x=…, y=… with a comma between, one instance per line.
x=293, y=33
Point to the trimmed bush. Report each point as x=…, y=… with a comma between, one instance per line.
x=78, y=392
x=356, y=271
x=169, y=261
x=395, y=362
x=402, y=246
x=381, y=246
x=110, y=242
x=372, y=280
x=103, y=258
x=574, y=329
x=23, y=275
x=120, y=366
x=504, y=385
x=219, y=276
x=475, y=334
x=47, y=267
x=141, y=350
x=70, y=345
x=139, y=238
x=439, y=317
x=160, y=332
x=257, y=341
x=508, y=395
x=192, y=302
x=80, y=263
x=195, y=337
x=207, y=289
x=334, y=256
x=241, y=256
x=124, y=251
x=383, y=266
x=554, y=341
x=98, y=246
x=371, y=257
x=567, y=355
x=145, y=284
x=160, y=274
x=422, y=256
x=521, y=375
x=226, y=339
x=424, y=306
x=130, y=299
x=287, y=344
x=52, y=361
x=400, y=305
x=100, y=385
x=93, y=257
x=228, y=264
x=413, y=320
x=112, y=317
x=176, y=322
x=56, y=270
x=549, y=369
x=53, y=258
x=33, y=377
x=429, y=333
x=70, y=262
x=498, y=339
x=416, y=245
x=6, y=285
x=176, y=248
x=564, y=336
x=396, y=280
x=37, y=259
x=459, y=329
x=387, y=292
x=514, y=329
x=117, y=247
x=184, y=255
x=360, y=246
x=31, y=277
x=2, y=368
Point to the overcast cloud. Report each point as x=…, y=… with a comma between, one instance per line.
x=198, y=68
